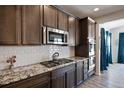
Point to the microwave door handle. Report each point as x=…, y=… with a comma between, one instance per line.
x=64, y=39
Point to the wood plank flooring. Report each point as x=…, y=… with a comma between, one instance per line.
x=113, y=78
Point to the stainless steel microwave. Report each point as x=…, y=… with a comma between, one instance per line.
x=54, y=36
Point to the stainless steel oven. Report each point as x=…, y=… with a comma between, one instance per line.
x=91, y=47
x=54, y=36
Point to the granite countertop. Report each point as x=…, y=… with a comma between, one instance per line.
x=77, y=58
x=7, y=76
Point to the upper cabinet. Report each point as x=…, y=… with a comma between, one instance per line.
x=87, y=38
x=50, y=16
x=71, y=29
x=22, y=25
x=10, y=25
x=31, y=33
x=62, y=21
x=77, y=32
x=55, y=18
x=91, y=28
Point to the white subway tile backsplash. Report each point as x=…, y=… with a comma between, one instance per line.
x=26, y=55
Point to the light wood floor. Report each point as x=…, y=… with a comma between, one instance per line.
x=113, y=78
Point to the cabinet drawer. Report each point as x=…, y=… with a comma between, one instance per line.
x=43, y=85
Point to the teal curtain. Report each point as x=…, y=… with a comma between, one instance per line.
x=106, y=49
x=103, y=65
x=110, y=55
x=121, y=48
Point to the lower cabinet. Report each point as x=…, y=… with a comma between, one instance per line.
x=85, y=70
x=66, y=77
x=38, y=81
x=70, y=78
x=91, y=71
x=63, y=77
x=79, y=72
x=58, y=81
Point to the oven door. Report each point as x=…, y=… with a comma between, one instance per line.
x=91, y=49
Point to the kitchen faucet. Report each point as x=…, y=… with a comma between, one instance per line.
x=55, y=56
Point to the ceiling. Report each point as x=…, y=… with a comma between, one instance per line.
x=113, y=24
x=87, y=10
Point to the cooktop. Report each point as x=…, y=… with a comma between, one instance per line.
x=56, y=63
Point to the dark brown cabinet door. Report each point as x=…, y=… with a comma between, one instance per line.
x=91, y=29
x=10, y=24
x=77, y=33
x=58, y=82
x=50, y=16
x=87, y=37
x=63, y=77
x=31, y=25
x=71, y=31
x=86, y=68
x=79, y=73
x=62, y=21
x=70, y=78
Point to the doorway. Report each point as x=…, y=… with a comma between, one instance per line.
x=106, y=49
x=116, y=41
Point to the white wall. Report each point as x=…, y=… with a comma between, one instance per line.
x=32, y=54
x=101, y=20
x=115, y=42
